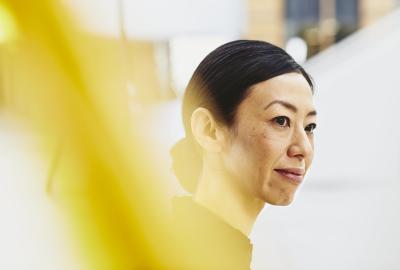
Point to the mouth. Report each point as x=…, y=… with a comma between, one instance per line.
x=293, y=175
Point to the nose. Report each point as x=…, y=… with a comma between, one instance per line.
x=300, y=147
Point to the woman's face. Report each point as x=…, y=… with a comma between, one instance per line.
x=271, y=143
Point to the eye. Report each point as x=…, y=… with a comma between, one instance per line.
x=310, y=128
x=282, y=121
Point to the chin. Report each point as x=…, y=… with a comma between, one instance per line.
x=279, y=200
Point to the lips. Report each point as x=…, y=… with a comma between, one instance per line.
x=293, y=175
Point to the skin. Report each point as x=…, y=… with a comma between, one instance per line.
x=273, y=129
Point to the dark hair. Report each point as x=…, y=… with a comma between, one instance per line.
x=220, y=83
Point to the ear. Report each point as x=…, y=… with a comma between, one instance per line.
x=206, y=130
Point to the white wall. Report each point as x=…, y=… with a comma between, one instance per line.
x=357, y=98
x=160, y=19
x=347, y=214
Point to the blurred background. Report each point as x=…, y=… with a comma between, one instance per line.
x=347, y=214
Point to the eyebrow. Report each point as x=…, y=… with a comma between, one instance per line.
x=288, y=106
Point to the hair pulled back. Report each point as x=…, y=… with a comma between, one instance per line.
x=219, y=84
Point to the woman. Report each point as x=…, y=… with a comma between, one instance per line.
x=249, y=119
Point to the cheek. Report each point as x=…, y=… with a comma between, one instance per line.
x=269, y=145
x=276, y=135
x=263, y=152
x=250, y=155
x=260, y=145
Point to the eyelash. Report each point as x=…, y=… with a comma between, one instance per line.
x=309, y=128
x=284, y=118
x=313, y=126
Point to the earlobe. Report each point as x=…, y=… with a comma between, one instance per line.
x=205, y=129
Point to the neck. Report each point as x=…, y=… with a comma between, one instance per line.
x=221, y=195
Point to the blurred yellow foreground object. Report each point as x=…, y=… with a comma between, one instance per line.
x=61, y=83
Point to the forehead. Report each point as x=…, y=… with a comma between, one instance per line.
x=291, y=87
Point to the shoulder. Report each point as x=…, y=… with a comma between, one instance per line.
x=210, y=240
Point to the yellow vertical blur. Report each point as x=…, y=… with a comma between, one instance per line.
x=57, y=80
